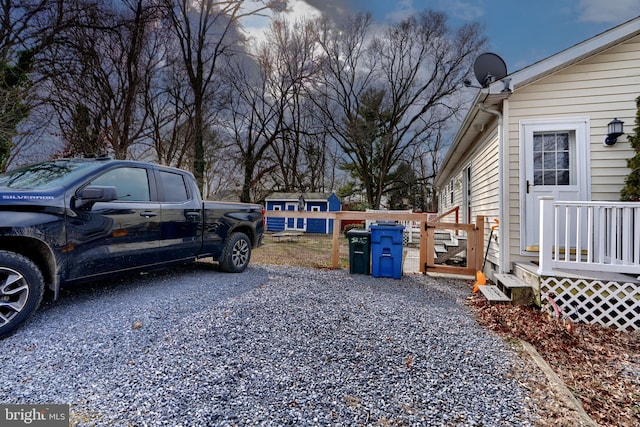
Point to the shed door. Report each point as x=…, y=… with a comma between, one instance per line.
x=297, y=224
x=555, y=164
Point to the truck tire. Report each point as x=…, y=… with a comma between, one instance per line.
x=21, y=290
x=236, y=253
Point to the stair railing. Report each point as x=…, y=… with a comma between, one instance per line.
x=449, y=212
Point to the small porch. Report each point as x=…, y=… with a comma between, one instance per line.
x=606, y=298
x=589, y=258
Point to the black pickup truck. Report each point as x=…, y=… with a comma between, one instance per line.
x=78, y=220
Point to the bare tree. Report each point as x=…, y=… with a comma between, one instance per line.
x=206, y=32
x=28, y=27
x=271, y=128
x=169, y=106
x=300, y=148
x=391, y=93
x=98, y=76
x=255, y=116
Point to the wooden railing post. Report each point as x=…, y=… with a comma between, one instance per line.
x=423, y=246
x=335, y=256
x=477, y=244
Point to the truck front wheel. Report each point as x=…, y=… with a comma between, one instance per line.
x=21, y=290
x=236, y=253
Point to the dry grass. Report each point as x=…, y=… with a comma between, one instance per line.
x=306, y=250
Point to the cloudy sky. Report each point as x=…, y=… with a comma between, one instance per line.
x=520, y=31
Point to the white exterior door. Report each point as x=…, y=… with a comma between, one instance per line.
x=296, y=224
x=556, y=164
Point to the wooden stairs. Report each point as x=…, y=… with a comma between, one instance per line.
x=508, y=289
x=447, y=245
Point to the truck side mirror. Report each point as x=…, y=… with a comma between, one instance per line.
x=87, y=196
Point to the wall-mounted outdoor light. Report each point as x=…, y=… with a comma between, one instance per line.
x=615, y=130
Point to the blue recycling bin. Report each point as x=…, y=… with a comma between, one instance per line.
x=386, y=250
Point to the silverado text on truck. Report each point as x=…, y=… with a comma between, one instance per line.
x=78, y=220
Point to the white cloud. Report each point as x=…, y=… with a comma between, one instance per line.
x=404, y=10
x=256, y=26
x=467, y=11
x=608, y=11
x=464, y=10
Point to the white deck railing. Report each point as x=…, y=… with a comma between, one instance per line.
x=411, y=228
x=596, y=236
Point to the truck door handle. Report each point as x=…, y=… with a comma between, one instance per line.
x=193, y=216
x=148, y=214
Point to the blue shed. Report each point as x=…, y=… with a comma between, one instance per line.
x=313, y=202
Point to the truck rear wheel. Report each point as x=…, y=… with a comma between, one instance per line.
x=236, y=253
x=21, y=290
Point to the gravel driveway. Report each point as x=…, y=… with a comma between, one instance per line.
x=271, y=346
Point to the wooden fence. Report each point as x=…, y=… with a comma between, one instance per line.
x=475, y=235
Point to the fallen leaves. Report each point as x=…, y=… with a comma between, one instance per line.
x=408, y=361
x=601, y=366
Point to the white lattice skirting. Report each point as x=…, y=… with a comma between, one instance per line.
x=611, y=304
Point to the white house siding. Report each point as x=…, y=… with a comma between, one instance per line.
x=484, y=183
x=601, y=88
x=484, y=186
x=453, y=185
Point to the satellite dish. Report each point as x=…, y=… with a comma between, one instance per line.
x=488, y=68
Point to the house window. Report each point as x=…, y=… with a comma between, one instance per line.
x=277, y=207
x=315, y=208
x=451, y=192
x=551, y=158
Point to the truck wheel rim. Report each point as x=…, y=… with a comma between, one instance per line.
x=240, y=253
x=14, y=293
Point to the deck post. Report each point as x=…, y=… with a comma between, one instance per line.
x=547, y=228
x=423, y=246
x=477, y=244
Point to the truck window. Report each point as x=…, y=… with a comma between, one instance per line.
x=132, y=184
x=46, y=175
x=174, y=187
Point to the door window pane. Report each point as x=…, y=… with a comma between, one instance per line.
x=563, y=160
x=549, y=177
x=537, y=161
x=562, y=140
x=549, y=142
x=551, y=158
x=563, y=177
